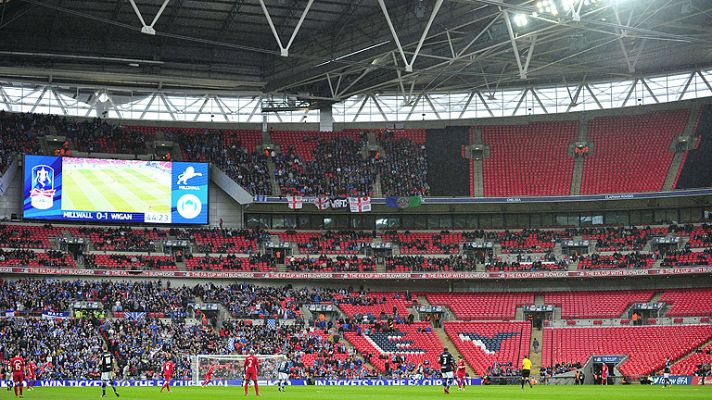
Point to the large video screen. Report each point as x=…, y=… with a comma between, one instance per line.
x=115, y=191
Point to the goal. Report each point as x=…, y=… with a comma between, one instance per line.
x=231, y=367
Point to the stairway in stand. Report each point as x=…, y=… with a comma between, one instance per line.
x=535, y=356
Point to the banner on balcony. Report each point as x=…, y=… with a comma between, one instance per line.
x=295, y=202
x=360, y=204
x=321, y=203
x=404, y=202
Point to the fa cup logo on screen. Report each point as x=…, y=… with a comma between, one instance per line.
x=42, y=194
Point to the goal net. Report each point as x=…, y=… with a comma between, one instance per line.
x=231, y=367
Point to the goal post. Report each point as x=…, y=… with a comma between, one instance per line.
x=230, y=367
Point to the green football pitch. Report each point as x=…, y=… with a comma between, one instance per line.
x=117, y=190
x=633, y=392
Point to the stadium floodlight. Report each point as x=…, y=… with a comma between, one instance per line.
x=520, y=20
x=547, y=7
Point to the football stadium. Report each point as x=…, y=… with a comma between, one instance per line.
x=384, y=199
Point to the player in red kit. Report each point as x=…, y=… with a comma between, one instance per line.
x=251, y=369
x=209, y=375
x=604, y=374
x=461, y=374
x=31, y=374
x=168, y=367
x=17, y=365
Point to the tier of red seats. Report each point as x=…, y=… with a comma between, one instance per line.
x=630, y=261
x=111, y=239
x=688, y=366
x=524, y=267
x=688, y=302
x=631, y=153
x=646, y=346
x=326, y=243
x=701, y=237
x=530, y=242
x=327, y=264
x=483, y=343
x=227, y=264
x=216, y=242
x=415, y=337
x=304, y=142
x=28, y=236
x=597, y=304
x=375, y=303
x=687, y=259
x=246, y=138
x=426, y=243
x=529, y=160
x=113, y=261
x=623, y=239
x=29, y=258
x=414, y=135
x=431, y=264
x=482, y=306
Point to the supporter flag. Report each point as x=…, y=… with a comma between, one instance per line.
x=55, y=315
x=360, y=204
x=135, y=316
x=260, y=198
x=404, y=202
x=272, y=323
x=322, y=203
x=295, y=202
x=231, y=344
x=10, y=313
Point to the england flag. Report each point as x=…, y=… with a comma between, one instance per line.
x=360, y=204
x=295, y=202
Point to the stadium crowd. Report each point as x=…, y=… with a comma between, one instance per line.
x=403, y=168
x=338, y=169
x=247, y=168
x=62, y=349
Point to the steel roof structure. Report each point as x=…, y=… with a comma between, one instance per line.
x=335, y=51
x=337, y=48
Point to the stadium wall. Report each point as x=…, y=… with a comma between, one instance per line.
x=11, y=198
x=448, y=170
x=697, y=171
x=221, y=205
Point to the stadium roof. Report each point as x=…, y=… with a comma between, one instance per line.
x=330, y=50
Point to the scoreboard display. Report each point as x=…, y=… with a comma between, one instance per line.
x=115, y=191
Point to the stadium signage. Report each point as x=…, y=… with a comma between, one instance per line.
x=263, y=382
x=388, y=382
x=608, y=359
x=702, y=380
x=676, y=380
x=101, y=190
x=355, y=275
